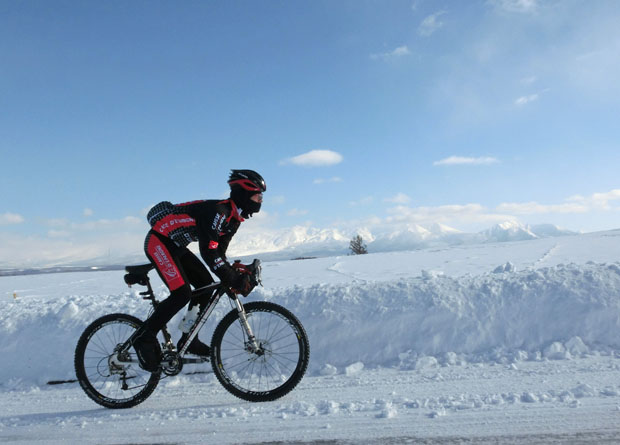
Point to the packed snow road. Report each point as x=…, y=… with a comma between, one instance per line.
x=545, y=401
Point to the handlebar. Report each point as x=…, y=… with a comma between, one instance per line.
x=256, y=270
x=252, y=271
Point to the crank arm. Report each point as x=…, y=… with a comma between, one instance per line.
x=186, y=361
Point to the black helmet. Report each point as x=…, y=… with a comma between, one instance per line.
x=243, y=185
x=248, y=180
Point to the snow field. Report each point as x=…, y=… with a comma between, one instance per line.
x=417, y=320
x=485, y=401
x=493, y=343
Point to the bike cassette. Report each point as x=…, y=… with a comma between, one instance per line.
x=171, y=363
x=117, y=362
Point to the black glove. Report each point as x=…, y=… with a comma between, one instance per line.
x=242, y=284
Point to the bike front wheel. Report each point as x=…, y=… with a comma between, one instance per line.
x=111, y=379
x=271, y=371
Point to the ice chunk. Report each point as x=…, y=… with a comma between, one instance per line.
x=576, y=346
x=354, y=369
x=329, y=370
x=508, y=267
x=556, y=351
x=426, y=362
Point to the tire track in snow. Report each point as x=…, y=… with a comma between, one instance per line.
x=546, y=256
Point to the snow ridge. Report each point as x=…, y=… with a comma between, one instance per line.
x=508, y=314
x=416, y=321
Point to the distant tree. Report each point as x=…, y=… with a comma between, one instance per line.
x=357, y=246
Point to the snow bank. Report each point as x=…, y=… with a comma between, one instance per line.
x=519, y=315
x=38, y=335
x=411, y=322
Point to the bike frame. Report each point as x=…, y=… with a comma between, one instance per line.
x=217, y=290
x=206, y=312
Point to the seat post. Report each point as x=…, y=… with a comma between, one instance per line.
x=149, y=294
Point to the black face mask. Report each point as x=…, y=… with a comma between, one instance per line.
x=252, y=207
x=243, y=201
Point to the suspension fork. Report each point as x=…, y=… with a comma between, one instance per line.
x=252, y=344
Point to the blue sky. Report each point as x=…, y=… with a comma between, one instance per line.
x=357, y=113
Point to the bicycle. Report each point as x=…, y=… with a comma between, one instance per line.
x=259, y=351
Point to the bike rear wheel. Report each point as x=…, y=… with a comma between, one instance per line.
x=271, y=372
x=109, y=380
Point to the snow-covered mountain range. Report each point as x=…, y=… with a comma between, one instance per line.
x=303, y=242
x=309, y=242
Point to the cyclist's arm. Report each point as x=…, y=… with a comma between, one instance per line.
x=224, y=242
x=212, y=253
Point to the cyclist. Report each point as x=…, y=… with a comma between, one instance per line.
x=212, y=223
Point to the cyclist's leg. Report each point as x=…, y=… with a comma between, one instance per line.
x=164, y=254
x=161, y=252
x=198, y=276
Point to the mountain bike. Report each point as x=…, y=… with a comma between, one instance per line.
x=259, y=351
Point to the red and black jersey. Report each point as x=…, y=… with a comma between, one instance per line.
x=211, y=223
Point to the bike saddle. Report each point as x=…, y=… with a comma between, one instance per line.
x=141, y=269
x=138, y=274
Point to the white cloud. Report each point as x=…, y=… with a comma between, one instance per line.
x=77, y=248
x=58, y=234
x=431, y=24
x=124, y=224
x=477, y=214
x=399, y=198
x=70, y=241
x=297, y=212
x=598, y=201
x=532, y=208
x=88, y=212
x=398, y=52
x=366, y=200
x=526, y=99
x=575, y=204
x=460, y=160
x=529, y=80
x=519, y=6
x=10, y=218
x=462, y=214
x=277, y=200
x=597, y=69
x=315, y=158
x=401, y=51
x=327, y=180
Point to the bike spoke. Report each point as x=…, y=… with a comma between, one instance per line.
x=284, y=336
x=239, y=339
x=108, y=378
x=280, y=354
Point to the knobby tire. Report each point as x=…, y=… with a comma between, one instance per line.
x=93, y=349
x=266, y=377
